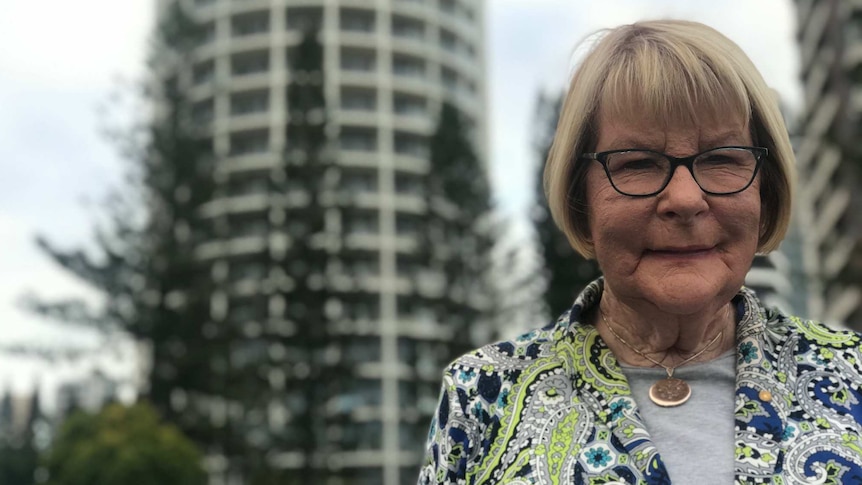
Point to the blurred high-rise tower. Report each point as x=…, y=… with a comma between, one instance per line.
x=830, y=157
x=388, y=66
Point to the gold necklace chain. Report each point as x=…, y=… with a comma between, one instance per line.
x=667, y=369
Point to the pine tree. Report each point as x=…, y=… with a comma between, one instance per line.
x=565, y=271
x=144, y=261
x=461, y=234
x=19, y=456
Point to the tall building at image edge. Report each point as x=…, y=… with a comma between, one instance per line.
x=829, y=155
x=388, y=66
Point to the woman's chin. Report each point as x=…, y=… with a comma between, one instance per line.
x=686, y=294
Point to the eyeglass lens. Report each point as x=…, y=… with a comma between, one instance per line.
x=724, y=170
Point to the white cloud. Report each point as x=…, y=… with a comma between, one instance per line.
x=59, y=62
x=70, y=44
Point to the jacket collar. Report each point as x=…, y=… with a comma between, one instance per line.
x=757, y=446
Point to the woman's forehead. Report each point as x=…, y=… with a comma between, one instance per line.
x=648, y=132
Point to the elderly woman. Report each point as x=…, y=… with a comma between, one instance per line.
x=671, y=166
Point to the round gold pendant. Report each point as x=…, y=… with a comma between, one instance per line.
x=670, y=392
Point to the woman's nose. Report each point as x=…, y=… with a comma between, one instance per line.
x=682, y=198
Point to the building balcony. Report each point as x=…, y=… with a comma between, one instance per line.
x=367, y=119
x=245, y=6
x=255, y=41
x=356, y=158
x=837, y=201
x=424, y=330
x=250, y=121
x=413, y=8
x=352, y=38
x=238, y=246
x=243, y=82
x=813, y=31
x=421, y=124
x=367, y=79
x=411, y=163
x=410, y=203
x=250, y=162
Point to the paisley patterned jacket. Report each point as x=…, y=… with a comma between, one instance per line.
x=553, y=407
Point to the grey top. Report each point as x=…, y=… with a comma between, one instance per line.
x=695, y=439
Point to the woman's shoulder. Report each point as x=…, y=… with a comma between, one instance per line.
x=513, y=354
x=831, y=335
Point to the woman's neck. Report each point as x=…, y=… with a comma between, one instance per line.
x=664, y=338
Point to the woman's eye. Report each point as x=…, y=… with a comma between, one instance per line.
x=636, y=164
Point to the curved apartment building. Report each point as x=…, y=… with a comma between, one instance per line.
x=388, y=66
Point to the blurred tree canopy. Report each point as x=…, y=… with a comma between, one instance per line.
x=125, y=445
x=19, y=445
x=565, y=271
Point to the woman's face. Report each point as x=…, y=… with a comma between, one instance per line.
x=682, y=251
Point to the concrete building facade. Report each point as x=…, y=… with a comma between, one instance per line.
x=829, y=158
x=388, y=66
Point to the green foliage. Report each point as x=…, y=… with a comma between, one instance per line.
x=122, y=445
x=459, y=231
x=565, y=272
x=143, y=258
x=19, y=455
x=18, y=463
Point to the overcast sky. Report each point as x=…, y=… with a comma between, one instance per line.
x=61, y=61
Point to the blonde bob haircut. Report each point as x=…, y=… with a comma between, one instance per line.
x=670, y=71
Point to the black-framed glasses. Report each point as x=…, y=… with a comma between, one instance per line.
x=644, y=173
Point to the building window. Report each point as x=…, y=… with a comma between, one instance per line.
x=363, y=436
x=363, y=222
x=409, y=144
x=249, y=227
x=247, y=142
x=407, y=394
x=407, y=27
x=450, y=78
x=356, y=20
x=239, y=186
x=358, y=139
x=244, y=310
x=247, y=270
x=359, y=180
x=300, y=228
x=203, y=72
x=406, y=351
x=249, y=102
x=416, y=310
x=353, y=59
x=363, y=310
x=202, y=111
x=304, y=18
x=448, y=40
x=409, y=184
x=247, y=352
x=405, y=104
x=357, y=393
x=357, y=99
x=207, y=35
x=250, y=23
x=406, y=225
x=358, y=350
x=403, y=65
x=252, y=62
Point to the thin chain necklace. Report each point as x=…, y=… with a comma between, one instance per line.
x=670, y=391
